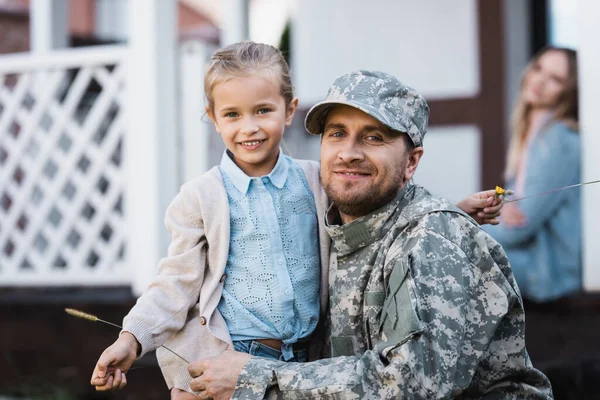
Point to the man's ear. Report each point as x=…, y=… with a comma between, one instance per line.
x=413, y=162
x=211, y=115
x=290, y=111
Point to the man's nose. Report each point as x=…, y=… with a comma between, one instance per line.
x=351, y=152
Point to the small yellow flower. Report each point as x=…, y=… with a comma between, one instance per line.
x=500, y=192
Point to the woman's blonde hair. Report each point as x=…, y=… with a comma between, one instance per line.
x=243, y=59
x=566, y=110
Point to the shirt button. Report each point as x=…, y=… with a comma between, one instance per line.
x=267, y=199
x=288, y=291
x=202, y=321
x=280, y=261
x=265, y=180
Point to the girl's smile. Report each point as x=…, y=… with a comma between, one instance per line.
x=251, y=115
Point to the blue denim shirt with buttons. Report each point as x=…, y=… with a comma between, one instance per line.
x=271, y=288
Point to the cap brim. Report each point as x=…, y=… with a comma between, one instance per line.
x=314, y=123
x=315, y=118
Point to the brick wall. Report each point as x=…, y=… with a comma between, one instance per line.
x=15, y=33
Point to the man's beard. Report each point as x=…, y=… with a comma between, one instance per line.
x=357, y=204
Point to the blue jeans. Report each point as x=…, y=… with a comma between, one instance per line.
x=262, y=350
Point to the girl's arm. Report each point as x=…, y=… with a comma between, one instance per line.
x=554, y=162
x=163, y=307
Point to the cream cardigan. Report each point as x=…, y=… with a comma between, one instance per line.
x=179, y=308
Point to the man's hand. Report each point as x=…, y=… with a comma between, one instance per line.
x=484, y=207
x=215, y=378
x=108, y=373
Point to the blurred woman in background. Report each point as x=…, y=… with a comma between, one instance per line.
x=542, y=235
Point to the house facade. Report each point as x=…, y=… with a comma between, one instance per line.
x=96, y=140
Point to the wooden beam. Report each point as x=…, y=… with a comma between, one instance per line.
x=151, y=140
x=492, y=86
x=455, y=111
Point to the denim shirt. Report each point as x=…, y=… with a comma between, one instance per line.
x=546, y=253
x=271, y=289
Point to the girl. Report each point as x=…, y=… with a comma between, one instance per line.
x=542, y=235
x=247, y=264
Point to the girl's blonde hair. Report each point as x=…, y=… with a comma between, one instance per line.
x=566, y=110
x=243, y=59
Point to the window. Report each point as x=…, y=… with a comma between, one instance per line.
x=562, y=23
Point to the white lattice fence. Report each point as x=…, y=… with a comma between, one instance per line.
x=61, y=171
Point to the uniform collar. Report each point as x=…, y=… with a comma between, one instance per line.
x=367, y=229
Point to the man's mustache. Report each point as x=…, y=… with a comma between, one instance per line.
x=361, y=168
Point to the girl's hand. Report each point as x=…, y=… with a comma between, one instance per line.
x=109, y=373
x=484, y=207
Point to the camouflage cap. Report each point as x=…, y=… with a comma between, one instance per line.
x=381, y=96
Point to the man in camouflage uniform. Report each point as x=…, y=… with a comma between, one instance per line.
x=423, y=303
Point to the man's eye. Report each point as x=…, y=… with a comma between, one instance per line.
x=374, y=138
x=336, y=134
x=231, y=114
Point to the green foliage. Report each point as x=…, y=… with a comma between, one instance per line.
x=285, y=42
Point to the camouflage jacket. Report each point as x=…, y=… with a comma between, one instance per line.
x=423, y=305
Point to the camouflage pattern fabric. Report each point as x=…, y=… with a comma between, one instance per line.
x=423, y=305
x=380, y=95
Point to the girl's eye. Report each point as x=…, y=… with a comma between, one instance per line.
x=231, y=114
x=264, y=110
